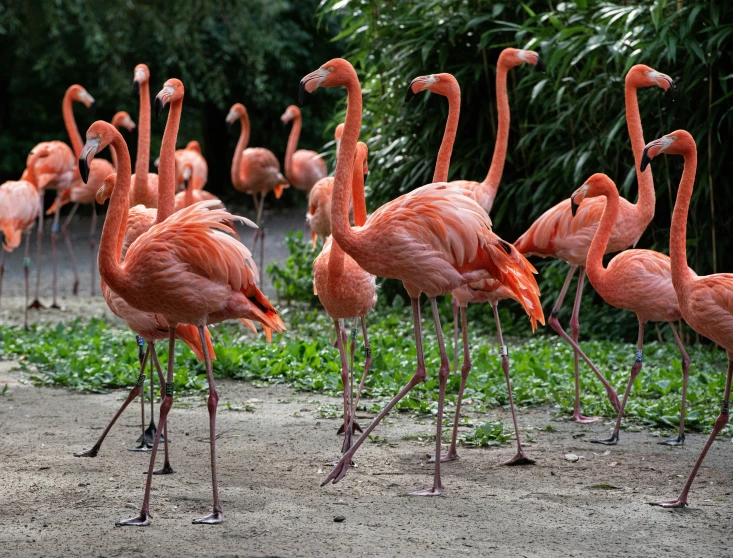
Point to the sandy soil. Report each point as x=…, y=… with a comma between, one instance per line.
x=272, y=460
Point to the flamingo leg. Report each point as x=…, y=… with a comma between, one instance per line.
x=342, y=467
x=341, y=341
x=367, y=366
x=150, y=430
x=26, y=274
x=70, y=247
x=574, y=324
x=165, y=406
x=134, y=392
x=255, y=234
x=261, y=231
x=39, y=252
x=92, y=246
x=454, y=304
x=720, y=422
x=54, y=240
x=166, y=469
x=215, y=516
x=680, y=439
x=613, y=440
x=2, y=269
x=142, y=439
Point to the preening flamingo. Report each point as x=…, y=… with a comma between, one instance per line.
x=144, y=183
x=347, y=291
x=639, y=281
x=121, y=120
x=255, y=170
x=303, y=168
x=705, y=302
x=191, y=167
x=434, y=239
x=556, y=233
x=185, y=269
x=484, y=194
x=19, y=209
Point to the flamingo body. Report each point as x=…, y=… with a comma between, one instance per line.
x=55, y=170
x=190, y=161
x=19, y=209
x=319, y=209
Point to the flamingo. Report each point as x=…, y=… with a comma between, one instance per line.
x=556, y=233
x=434, y=239
x=639, y=281
x=121, y=120
x=145, y=184
x=347, y=291
x=191, y=167
x=705, y=302
x=19, y=209
x=303, y=168
x=255, y=170
x=184, y=269
x=484, y=194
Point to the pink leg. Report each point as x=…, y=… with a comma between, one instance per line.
x=145, y=440
x=342, y=467
x=2, y=269
x=720, y=422
x=166, y=469
x=613, y=440
x=134, y=392
x=353, y=425
x=367, y=366
x=575, y=325
x=54, y=240
x=344, y=429
x=26, y=274
x=454, y=303
x=39, y=252
x=215, y=516
x=92, y=246
x=70, y=247
x=680, y=439
x=437, y=488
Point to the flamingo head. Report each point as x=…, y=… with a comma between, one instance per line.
x=187, y=172
x=644, y=76
x=334, y=73
x=291, y=113
x=679, y=142
x=512, y=57
x=235, y=113
x=172, y=91
x=141, y=75
x=99, y=135
x=598, y=184
x=105, y=191
x=123, y=120
x=78, y=93
x=442, y=84
x=193, y=145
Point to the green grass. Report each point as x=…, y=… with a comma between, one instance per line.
x=94, y=355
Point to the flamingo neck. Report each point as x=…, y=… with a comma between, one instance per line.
x=681, y=273
x=493, y=177
x=115, y=224
x=239, y=150
x=113, y=155
x=293, y=142
x=167, y=166
x=336, y=258
x=340, y=227
x=645, y=205
x=442, y=165
x=594, y=261
x=71, y=128
x=142, y=163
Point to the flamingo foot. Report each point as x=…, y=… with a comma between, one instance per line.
x=678, y=441
x=142, y=520
x=55, y=306
x=150, y=435
x=580, y=419
x=88, y=453
x=214, y=518
x=342, y=428
x=435, y=491
x=520, y=458
x=144, y=446
x=612, y=441
x=36, y=305
x=339, y=471
x=452, y=455
x=678, y=503
x=166, y=469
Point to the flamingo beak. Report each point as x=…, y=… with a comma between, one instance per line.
x=303, y=94
x=135, y=87
x=158, y=107
x=410, y=93
x=540, y=65
x=573, y=206
x=87, y=153
x=365, y=177
x=645, y=159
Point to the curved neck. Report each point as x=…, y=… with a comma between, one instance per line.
x=142, y=163
x=645, y=205
x=678, y=232
x=293, y=142
x=241, y=146
x=493, y=177
x=594, y=261
x=70, y=123
x=115, y=223
x=442, y=165
x=113, y=154
x=340, y=227
x=167, y=166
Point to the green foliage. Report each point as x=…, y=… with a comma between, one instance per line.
x=490, y=433
x=567, y=123
x=293, y=280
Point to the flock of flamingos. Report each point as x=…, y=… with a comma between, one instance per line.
x=171, y=263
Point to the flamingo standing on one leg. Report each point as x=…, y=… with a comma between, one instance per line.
x=145, y=184
x=433, y=239
x=636, y=280
x=255, y=170
x=705, y=302
x=347, y=291
x=556, y=233
x=484, y=194
x=303, y=168
x=19, y=209
x=185, y=269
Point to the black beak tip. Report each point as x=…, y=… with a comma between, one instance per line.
x=670, y=91
x=84, y=170
x=541, y=65
x=185, y=183
x=158, y=107
x=645, y=160
x=573, y=206
x=229, y=125
x=303, y=95
x=365, y=177
x=410, y=93
x=135, y=87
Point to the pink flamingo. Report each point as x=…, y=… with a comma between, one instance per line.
x=145, y=184
x=121, y=120
x=191, y=167
x=19, y=209
x=347, y=291
x=705, y=302
x=184, y=269
x=434, y=239
x=484, y=194
x=255, y=170
x=557, y=234
x=303, y=168
x=319, y=201
x=639, y=281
